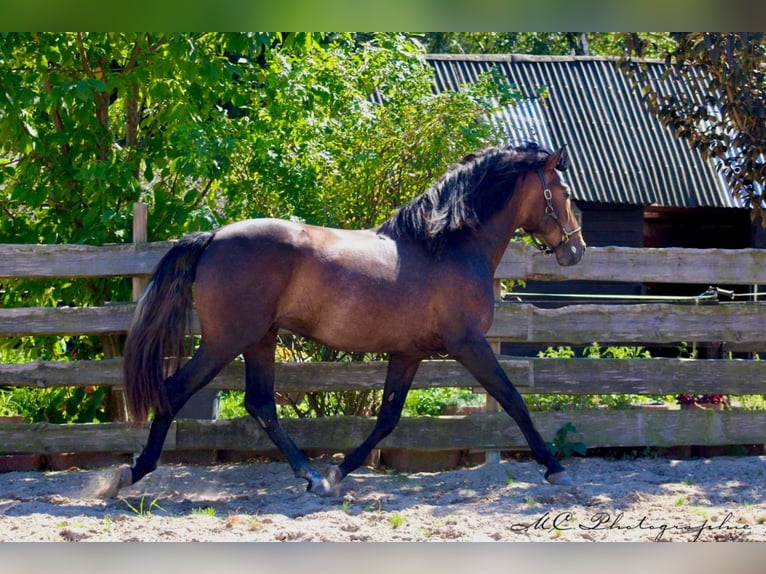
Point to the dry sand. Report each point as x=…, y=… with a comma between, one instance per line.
x=646, y=499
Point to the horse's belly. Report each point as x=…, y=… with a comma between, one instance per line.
x=368, y=329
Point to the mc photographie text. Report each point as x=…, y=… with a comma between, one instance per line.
x=610, y=521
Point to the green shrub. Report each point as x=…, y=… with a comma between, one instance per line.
x=57, y=405
x=561, y=402
x=434, y=402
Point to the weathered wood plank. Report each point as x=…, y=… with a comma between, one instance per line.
x=44, y=374
x=575, y=324
x=46, y=438
x=658, y=323
x=640, y=265
x=597, y=428
x=520, y=261
x=112, y=319
x=569, y=376
x=645, y=376
x=52, y=261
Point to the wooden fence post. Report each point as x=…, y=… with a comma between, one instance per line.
x=118, y=407
x=139, y=236
x=491, y=405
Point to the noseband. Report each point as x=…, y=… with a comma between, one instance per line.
x=551, y=212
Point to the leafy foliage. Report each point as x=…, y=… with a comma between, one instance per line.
x=544, y=43
x=722, y=111
x=561, y=402
x=563, y=447
x=56, y=405
x=213, y=127
x=434, y=402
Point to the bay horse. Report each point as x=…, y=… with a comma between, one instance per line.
x=419, y=284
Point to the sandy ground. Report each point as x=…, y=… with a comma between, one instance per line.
x=717, y=499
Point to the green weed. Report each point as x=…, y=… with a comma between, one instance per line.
x=142, y=508
x=562, y=447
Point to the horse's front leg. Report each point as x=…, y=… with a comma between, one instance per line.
x=476, y=355
x=401, y=371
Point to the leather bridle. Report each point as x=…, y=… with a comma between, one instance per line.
x=551, y=212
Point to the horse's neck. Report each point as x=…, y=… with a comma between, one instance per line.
x=491, y=239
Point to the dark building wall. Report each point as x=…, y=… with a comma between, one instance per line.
x=620, y=225
x=603, y=225
x=701, y=228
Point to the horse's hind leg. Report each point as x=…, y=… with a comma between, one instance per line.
x=401, y=371
x=259, y=402
x=477, y=356
x=193, y=376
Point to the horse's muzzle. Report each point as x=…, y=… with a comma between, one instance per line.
x=570, y=253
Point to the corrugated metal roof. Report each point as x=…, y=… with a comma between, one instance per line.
x=620, y=153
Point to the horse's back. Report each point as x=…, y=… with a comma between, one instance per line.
x=354, y=290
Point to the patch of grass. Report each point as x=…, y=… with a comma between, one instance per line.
x=375, y=506
x=204, y=511
x=255, y=523
x=396, y=475
x=680, y=501
x=396, y=520
x=141, y=508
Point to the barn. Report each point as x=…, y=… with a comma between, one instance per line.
x=635, y=184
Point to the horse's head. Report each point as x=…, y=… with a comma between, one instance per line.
x=547, y=211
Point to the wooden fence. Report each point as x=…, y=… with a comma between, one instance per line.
x=740, y=324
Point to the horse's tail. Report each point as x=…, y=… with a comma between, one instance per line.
x=159, y=327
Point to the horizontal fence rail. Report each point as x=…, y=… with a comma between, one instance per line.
x=637, y=265
x=66, y=261
x=739, y=325
x=520, y=261
x=600, y=428
x=576, y=324
x=657, y=376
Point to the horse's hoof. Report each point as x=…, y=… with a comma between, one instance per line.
x=324, y=485
x=122, y=478
x=560, y=478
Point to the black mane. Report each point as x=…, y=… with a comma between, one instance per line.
x=469, y=193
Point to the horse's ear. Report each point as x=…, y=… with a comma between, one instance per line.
x=559, y=160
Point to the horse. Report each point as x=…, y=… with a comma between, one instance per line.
x=418, y=285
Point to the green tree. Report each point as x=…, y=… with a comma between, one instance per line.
x=543, y=43
x=345, y=135
x=212, y=127
x=722, y=109
x=91, y=123
x=207, y=128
